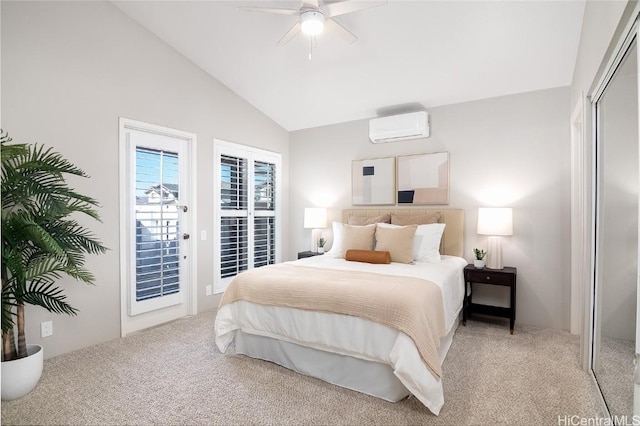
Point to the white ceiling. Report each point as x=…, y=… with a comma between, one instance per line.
x=409, y=52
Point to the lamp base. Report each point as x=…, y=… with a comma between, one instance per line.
x=494, y=253
x=315, y=235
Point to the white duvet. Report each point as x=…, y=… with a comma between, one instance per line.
x=354, y=336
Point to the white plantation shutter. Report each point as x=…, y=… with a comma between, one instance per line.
x=264, y=241
x=157, y=223
x=234, y=222
x=246, y=202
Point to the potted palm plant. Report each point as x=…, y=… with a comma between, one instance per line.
x=42, y=241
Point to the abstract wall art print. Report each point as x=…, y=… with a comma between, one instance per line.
x=423, y=178
x=373, y=181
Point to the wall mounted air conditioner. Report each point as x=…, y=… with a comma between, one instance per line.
x=412, y=125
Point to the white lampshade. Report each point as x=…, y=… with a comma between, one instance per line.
x=495, y=221
x=315, y=217
x=312, y=23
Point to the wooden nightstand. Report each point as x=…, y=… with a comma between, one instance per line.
x=504, y=277
x=303, y=254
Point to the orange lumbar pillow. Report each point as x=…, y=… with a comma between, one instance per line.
x=369, y=256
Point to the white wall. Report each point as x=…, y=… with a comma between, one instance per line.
x=69, y=70
x=507, y=151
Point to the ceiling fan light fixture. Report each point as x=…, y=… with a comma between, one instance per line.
x=311, y=22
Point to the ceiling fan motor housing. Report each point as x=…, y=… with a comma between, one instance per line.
x=312, y=22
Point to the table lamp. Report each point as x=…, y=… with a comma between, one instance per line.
x=495, y=222
x=314, y=219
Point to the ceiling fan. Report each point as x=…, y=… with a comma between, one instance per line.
x=316, y=15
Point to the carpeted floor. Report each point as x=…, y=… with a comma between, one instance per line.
x=174, y=374
x=616, y=375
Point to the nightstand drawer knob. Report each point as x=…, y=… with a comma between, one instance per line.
x=488, y=278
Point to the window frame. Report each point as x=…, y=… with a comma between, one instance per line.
x=252, y=154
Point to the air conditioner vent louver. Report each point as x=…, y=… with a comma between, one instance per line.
x=412, y=125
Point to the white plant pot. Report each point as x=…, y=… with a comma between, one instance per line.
x=320, y=249
x=478, y=263
x=20, y=376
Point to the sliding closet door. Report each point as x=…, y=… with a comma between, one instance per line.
x=615, y=341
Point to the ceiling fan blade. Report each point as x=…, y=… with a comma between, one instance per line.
x=289, y=35
x=310, y=4
x=269, y=10
x=349, y=6
x=340, y=31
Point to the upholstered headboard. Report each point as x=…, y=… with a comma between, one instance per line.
x=453, y=237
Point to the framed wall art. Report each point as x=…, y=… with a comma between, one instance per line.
x=373, y=181
x=423, y=178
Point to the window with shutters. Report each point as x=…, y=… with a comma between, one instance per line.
x=247, y=205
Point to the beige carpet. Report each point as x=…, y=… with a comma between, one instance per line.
x=174, y=374
x=616, y=375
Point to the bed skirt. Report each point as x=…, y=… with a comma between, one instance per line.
x=365, y=376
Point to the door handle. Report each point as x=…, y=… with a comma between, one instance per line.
x=186, y=236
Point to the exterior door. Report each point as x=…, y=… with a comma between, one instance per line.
x=157, y=216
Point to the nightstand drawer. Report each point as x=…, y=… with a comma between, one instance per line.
x=481, y=276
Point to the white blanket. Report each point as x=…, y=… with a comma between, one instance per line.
x=354, y=336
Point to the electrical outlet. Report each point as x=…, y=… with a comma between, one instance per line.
x=46, y=329
x=208, y=290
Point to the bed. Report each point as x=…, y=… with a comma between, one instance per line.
x=297, y=320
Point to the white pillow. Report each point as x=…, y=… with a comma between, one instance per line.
x=337, y=239
x=426, y=241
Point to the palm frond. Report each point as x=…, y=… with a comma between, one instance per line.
x=38, y=173
x=45, y=294
x=9, y=151
x=73, y=237
x=20, y=228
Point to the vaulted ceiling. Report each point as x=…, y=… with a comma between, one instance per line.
x=408, y=53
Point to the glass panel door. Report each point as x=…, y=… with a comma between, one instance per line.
x=157, y=221
x=617, y=177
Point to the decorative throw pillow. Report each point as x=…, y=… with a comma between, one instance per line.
x=398, y=241
x=364, y=220
x=435, y=217
x=426, y=241
x=368, y=256
x=357, y=237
